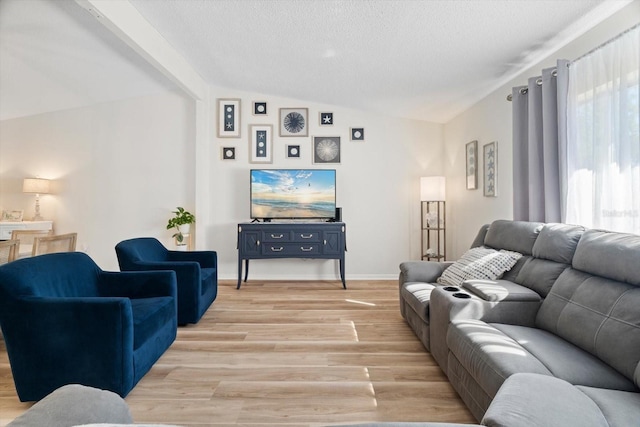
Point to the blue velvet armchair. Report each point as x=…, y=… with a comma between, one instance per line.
x=66, y=321
x=197, y=272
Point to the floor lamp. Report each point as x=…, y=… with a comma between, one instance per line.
x=433, y=226
x=38, y=186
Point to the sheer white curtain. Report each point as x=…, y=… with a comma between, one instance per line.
x=602, y=184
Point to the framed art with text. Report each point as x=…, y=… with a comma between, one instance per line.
x=260, y=150
x=472, y=165
x=294, y=122
x=326, y=149
x=490, y=163
x=228, y=118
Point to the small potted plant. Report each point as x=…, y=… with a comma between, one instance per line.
x=181, y=221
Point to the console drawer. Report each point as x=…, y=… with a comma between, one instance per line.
x=307, y=236
x=286, y=250
x=276, y=236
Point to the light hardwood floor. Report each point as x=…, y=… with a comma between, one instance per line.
x=289, y=354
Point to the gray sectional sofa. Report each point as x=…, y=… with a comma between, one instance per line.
x=563, y=322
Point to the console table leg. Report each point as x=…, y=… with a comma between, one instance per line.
x=344, y=284
x=239, y=273
x=246, y=269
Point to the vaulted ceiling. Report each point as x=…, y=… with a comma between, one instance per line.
x=420, y=59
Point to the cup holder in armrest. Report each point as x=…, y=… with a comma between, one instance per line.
x=461, y=295
x=451, y=289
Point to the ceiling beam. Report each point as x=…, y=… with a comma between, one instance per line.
x=124, y=20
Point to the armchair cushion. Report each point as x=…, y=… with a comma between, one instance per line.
x=196, y=272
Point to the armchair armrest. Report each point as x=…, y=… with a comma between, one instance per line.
x=78, y=339
x=138, y=284
x=422, y=271
x=206, y=259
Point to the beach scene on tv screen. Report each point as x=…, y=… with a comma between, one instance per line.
x=302, y=193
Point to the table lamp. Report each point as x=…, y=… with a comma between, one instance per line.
x=38, y=186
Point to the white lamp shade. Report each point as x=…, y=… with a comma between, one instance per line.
x=36, y=185
x=432, y=188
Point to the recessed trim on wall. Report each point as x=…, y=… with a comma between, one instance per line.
x=229, y=118
x=326, y=149
x=294, y=122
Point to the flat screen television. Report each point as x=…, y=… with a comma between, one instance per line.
x=293, y=194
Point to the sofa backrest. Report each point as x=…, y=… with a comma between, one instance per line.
x=67, y=274
x=517, y=236
x=595, y=304
x=142, y=249
x=552, y=253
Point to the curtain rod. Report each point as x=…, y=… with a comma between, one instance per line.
x=600, y=46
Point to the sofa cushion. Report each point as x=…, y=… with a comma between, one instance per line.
x=479, y=263
x=500, y=290
x=518, y=236
x=417, y=295
x=540, y=274
x=565, y=360
x=530, y=400
x=594, y=313
x=620, y=408
x=149, y=315
x=609, y=254
x=489, y=355
x=557, y=242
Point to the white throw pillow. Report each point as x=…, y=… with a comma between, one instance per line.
x=479, y=263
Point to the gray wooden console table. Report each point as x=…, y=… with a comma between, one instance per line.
x=272, y=240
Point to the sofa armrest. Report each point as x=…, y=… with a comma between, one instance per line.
x=421, y=271
x=446, y=306
x=75, y=404
x=138, y=284
x=206, y=259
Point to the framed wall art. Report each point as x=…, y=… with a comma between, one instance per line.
x=294, y=122
x=260, y=147
x=357, y=134
x=228, y=118
x=293, y=151
x=260, y=108
x=228, y=153
x=12, y=215
x=326, y=119
x=472, y=165
x=326, y=149
x=490, y=163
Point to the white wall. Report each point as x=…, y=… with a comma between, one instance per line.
x=119, y=168
x=377, y=187
x=490, y=120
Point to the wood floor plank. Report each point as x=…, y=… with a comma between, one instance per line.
x=289, y=354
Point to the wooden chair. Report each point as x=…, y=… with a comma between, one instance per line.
x=26, y=240
x=53, y=244
x=8, y=250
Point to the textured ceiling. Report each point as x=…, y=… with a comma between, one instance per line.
x=420, y=59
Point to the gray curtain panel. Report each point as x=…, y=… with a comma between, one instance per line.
x=539, y=145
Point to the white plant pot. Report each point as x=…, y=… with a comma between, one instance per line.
x=184, y=228
x=181, y=248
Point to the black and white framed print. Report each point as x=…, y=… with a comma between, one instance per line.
x=326, y=119
x=294, y=122
x=228, y=118
x=326, y=149
x=471, y=150
x=293, y=151
x=259, y=108
x=490, y=162
x=228, y=153
x=260, y=150
x=357, y=134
